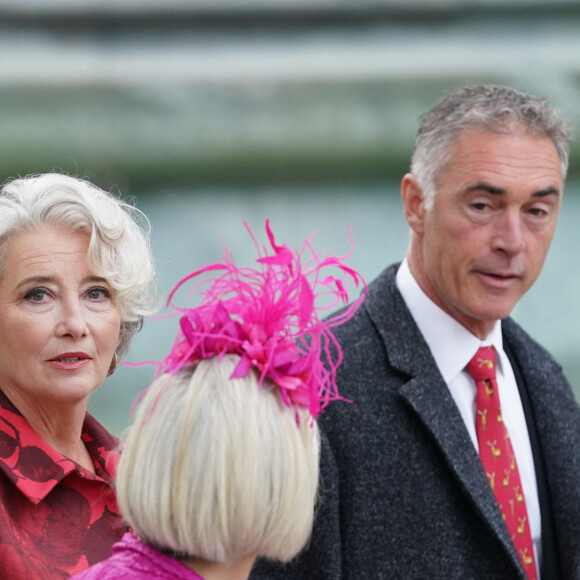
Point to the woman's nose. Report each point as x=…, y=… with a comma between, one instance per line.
x=72, y=320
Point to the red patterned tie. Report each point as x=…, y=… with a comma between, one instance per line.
x=497, y=456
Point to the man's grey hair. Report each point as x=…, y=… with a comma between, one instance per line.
x=492, y=108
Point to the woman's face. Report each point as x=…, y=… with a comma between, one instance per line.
x=59, y=323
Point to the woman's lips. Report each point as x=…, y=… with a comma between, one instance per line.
x=70, y=361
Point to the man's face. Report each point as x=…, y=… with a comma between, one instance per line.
x=485, y=240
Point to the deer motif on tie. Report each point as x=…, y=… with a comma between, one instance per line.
x=497, y=456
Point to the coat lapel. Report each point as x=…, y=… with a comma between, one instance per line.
x=428, y=395
x=433, y=404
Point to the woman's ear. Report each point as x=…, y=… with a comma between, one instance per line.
x=113, y=366
x=413, y=203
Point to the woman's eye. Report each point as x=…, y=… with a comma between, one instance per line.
x=36, y=295
x=98, y=293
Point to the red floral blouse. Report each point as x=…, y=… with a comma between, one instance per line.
x=56, y=517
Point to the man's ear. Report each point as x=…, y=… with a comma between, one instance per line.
x=413, y=203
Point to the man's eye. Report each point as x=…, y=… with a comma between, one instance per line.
x=538, y=211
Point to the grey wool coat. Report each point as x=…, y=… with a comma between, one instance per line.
x=403, y=493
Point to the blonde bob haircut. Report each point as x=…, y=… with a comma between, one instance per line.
x=119, y=249
x=218, y=468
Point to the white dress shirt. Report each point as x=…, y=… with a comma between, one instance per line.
x=452, y=347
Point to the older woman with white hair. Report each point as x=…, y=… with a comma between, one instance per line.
x=221, y=462
x=76, y=279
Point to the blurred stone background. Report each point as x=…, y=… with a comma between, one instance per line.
x=210, y=112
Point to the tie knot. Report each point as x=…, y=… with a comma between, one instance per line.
x=482, y=365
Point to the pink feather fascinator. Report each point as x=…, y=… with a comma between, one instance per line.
x=269, y=317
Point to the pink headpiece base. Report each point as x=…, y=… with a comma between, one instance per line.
x=268, y=316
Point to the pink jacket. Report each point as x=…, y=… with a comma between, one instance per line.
x=132, y=559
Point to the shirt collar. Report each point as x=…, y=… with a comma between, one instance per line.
x=35, y=467
x=450, y=343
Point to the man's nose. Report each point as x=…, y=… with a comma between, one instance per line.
x=509, y=236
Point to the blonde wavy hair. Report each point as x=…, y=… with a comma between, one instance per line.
x=119, y=248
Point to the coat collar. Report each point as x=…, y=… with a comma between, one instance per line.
x=429, y=397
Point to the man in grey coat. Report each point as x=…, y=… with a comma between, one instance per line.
x=404, y=493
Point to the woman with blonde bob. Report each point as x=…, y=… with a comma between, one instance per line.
x=221, y=463
x=234, y=474
x=76, y=279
